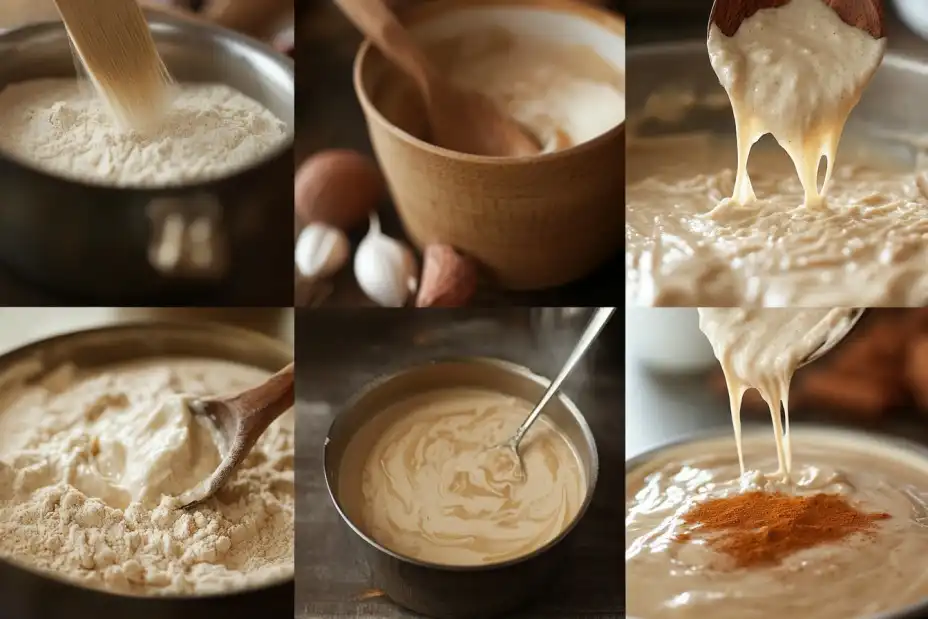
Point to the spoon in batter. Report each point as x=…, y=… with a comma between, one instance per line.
x=460, y=120
x=240, y=420
x=836, y=336
x=794, y=70
x=510, y=449
x=866, y=15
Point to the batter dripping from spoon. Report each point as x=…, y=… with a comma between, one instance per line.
x=762, y=348
x=795, y=72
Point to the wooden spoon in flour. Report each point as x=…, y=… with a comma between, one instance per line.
x=866, y=15
x=460, y=120
x=240, y=419
x=118, y=52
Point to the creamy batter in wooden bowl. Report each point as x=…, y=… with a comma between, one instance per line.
x=558, y=66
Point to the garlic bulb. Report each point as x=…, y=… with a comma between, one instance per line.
x=386, y=269
x=321, y=251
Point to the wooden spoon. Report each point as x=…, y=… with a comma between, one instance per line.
x=866, y=15
x=118, y=52
x=834, y=338
x=464, y=121
x=241, y=420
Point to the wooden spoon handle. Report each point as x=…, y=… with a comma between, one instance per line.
x=266, y=402
x=380, y=25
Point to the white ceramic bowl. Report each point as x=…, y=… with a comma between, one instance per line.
x=667, y=339
x=915, y=15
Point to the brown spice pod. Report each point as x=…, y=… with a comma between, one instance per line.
x=448, y=278
x=340, y=188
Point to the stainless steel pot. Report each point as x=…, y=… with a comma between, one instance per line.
x=29, y=594
x=889, y=116
x=450, y=592
x=122, y=245
x=917, y=611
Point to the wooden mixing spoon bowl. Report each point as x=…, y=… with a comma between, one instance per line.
x=240, y=420
x=866, y=15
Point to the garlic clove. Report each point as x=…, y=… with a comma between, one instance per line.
x=385, y=269
x=321, y=251
x=449, y=279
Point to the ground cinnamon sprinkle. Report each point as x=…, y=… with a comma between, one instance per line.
x=761, y=528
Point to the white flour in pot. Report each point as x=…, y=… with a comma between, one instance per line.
x=87, y=464
x=62, y=127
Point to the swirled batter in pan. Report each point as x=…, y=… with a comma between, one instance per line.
x=421, y=479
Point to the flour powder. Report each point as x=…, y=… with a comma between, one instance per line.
x=62, y=127
x=71, y=441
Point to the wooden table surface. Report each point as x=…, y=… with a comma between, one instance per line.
x=341, y=351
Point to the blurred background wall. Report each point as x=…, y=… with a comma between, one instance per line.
x=876, y=379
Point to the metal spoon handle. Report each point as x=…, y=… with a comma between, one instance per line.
x=853, y=319
x=597, y=322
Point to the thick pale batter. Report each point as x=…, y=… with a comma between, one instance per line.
x=422, y=479
x=688, y=244
x=565, y=94
x=698, y=233
x=761, y=349
x=857, y=578
x=64, y=128
x=89, y=463
x=796, y=72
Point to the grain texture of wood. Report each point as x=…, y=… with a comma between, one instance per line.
x=866, y=15
x=339, y=352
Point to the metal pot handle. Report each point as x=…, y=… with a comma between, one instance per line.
x=188, y=238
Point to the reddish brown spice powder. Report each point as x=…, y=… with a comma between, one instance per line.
x=762, y=528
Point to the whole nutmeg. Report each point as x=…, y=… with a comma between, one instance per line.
x=448, y=278
x=339, y=188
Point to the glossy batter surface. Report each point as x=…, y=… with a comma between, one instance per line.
x=432, y=488
x=703, y=227
x=857, y=578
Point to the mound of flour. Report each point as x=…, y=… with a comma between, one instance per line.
x=60, y=441
x=61, y=126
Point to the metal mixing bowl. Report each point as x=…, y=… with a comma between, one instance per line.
x=106, y=244
x=30, y=594
x=453, y=592
x=917, y=611
x=889, y=115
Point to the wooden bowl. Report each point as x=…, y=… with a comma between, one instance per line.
x=533, y=222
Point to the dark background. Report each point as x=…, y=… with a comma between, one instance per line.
x=341, y=351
